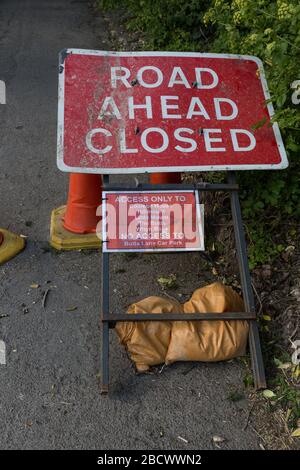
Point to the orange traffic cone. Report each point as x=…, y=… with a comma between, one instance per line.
x=83, y=200
x=73, y=226
x=165, y=178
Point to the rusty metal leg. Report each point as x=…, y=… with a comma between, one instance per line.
x=104, y=317
x=254, y=342
x=256, y=356
x=105, y=324
x=105, y=359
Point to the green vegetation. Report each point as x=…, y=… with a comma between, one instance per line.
x=269, y=29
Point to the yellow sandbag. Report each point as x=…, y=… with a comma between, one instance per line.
x=147, y=342
x=209, y=340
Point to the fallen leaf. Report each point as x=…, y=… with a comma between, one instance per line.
x=34, y=286
x=296, y=433
x=71, y=309
x=267, y=317
x=296, y=372
x=268, y=394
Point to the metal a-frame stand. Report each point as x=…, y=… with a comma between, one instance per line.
x=109, y=320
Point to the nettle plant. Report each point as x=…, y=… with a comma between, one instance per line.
x=268, y=29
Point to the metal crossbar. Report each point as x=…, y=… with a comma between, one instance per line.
x=179, y=316
x=109, y=320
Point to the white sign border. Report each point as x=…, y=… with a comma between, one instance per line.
x=199, y=214
x=60, y=119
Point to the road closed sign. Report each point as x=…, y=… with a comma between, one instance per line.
x=137, y=112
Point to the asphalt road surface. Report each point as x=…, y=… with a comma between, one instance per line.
x=49, y=388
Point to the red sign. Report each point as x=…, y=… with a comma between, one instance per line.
x=152, y=221
x=135, y=112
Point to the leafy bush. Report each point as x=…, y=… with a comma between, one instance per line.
x=269, y=29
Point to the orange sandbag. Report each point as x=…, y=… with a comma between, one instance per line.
x=209, y=340
x=147, y=342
